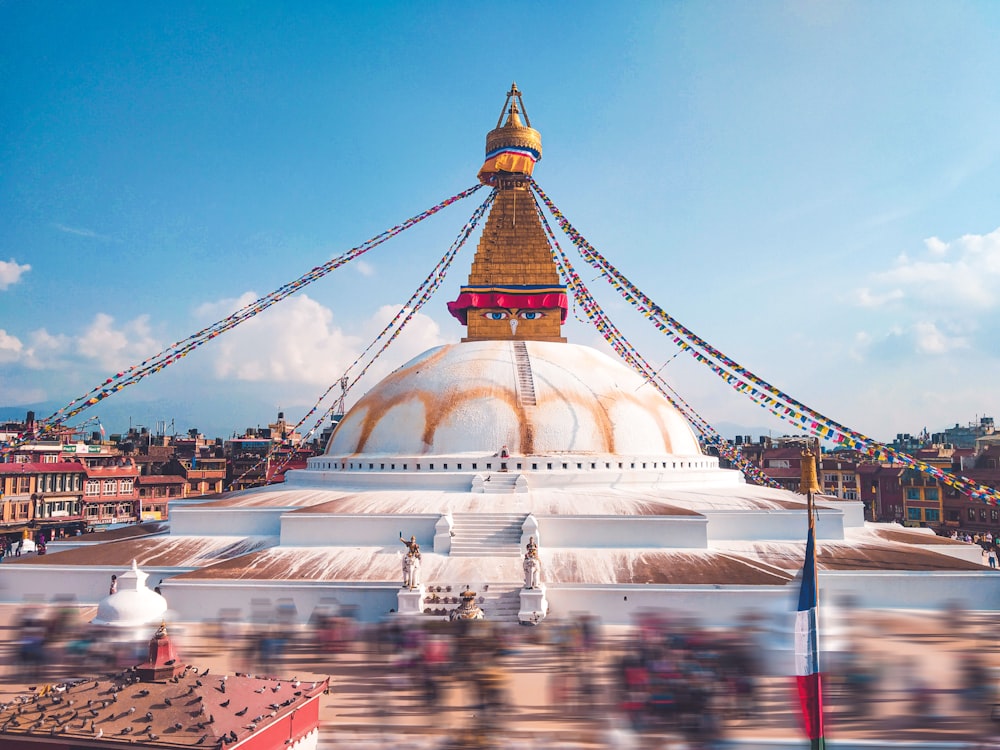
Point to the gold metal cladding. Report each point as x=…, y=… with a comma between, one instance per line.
x=513, y=132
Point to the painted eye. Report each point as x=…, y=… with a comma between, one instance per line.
x=496, y=315
x=530, y=314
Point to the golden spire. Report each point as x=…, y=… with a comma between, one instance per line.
x=514, y=290
x=514, y=137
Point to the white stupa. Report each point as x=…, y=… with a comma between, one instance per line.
x=514, y=435
x=134, y=610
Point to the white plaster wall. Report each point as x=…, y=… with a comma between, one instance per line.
x=854, y=513
x=772, y=525
x=915, y=589
x=451, y=478
x=969, y=552
x=88, y=585
x=622, y=531
x=202, y=601
x=323, y=529
x=231, y=522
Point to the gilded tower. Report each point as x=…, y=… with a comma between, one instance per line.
x=513, y=290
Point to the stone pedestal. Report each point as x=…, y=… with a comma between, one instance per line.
x=410, y=601
x=534, y=606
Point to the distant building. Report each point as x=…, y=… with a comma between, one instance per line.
x=155, y=493
x=261, y=457
x=200, y=462
x=982, y=467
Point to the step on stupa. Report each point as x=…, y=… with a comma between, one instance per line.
x=510, y=435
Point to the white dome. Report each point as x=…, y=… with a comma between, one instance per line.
x=476, y=397
x=133, y=605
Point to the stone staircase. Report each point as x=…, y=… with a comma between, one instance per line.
x=499, y=483
x=525, y=380
x=486, y=534
x=501, y=605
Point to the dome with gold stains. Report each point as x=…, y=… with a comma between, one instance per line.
x=532, y=397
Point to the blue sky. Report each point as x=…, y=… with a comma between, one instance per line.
x=812, y=187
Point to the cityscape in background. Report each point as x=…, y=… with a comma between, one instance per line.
x=80, y=480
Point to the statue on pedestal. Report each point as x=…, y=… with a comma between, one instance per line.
x=532, y=566
x=468, y=609
x=411, y=563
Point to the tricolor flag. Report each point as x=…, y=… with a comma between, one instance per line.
x=807, y=674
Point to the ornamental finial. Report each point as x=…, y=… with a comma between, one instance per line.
x=512, y=147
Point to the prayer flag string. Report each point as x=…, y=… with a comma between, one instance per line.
x=742, y=380
x=621, y=345
x=182, y=348
x=417, y=300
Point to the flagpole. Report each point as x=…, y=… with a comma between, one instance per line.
x=808, y=675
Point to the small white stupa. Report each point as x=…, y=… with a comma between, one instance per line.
x=134, y=610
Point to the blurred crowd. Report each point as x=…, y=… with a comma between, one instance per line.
x=471, y=683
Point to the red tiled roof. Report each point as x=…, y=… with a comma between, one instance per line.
x=33, y=467
x=194, y=709
x=148, y=480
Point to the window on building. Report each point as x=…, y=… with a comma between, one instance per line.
x=850, y=478
x=110, y=487
x=931, y=494
x=125, y=487
x=913, y=514
x=778, y=463
x=972, y=514
x=850, y=495
x=994, y=514
x=982, y=514
x=932, y=514
x=830, y=478
x=24, y=484
x=912, y=493
x=93, y=487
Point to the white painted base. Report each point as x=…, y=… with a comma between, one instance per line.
x=410, y=601
x=534, y=606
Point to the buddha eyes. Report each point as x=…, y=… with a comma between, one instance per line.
x=505, y=314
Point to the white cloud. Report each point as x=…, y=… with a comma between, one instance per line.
x=930, y=339
x=299, y=342
x=866, y=298
x=961, y=275
x=363, y=267
x=923, y=338
x=114, y=348
x=936, y=246
x=101, y=344
x=941, y=299
x=83, y=232
x=10, y=347
x=46, y=351
x=11, y=272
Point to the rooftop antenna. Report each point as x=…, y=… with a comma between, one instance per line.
x=338, y=409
